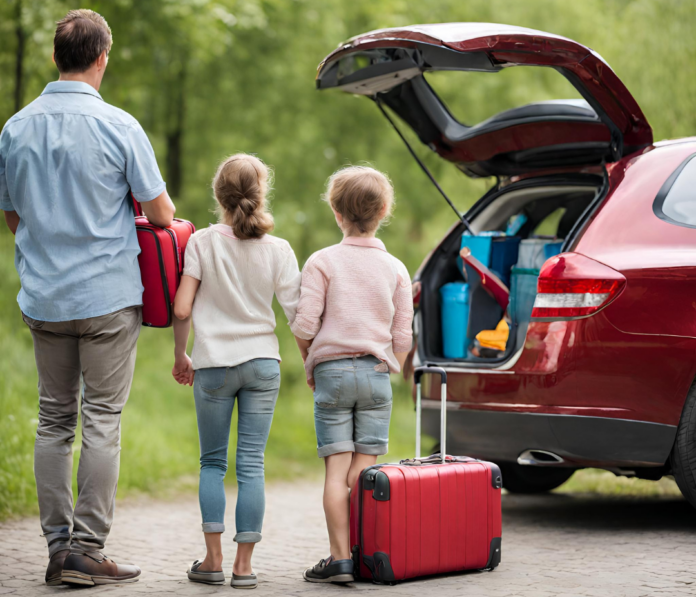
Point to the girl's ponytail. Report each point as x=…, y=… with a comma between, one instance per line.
x=240, y=186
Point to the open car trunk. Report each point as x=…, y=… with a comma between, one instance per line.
x=522, y=220
x=547, y=210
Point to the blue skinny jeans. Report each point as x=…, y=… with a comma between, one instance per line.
x=255, y=386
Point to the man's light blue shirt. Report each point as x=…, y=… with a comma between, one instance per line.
x=67, y=163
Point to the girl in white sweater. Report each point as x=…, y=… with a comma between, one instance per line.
x=232, y=270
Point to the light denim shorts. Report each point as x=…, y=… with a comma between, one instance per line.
x=352, y=406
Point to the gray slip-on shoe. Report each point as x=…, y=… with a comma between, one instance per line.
x=248, y=581
x=209, y=577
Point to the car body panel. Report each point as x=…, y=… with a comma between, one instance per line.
x=634, y=361
x=579, y=441
x=583, y=368
x=658, y=258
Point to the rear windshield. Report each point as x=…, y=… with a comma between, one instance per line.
x=473, y=97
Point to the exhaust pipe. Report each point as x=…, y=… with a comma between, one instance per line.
x=539, y=458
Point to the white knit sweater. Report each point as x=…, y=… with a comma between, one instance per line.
x=233, y=319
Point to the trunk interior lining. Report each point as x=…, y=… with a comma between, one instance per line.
x=537, y=203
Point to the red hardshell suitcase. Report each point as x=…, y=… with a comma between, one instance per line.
x=427, y=515
x=161, y=263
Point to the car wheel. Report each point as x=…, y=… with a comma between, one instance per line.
x=683, y=456
x=532, y=479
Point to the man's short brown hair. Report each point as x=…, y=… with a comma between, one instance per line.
x=81, y=36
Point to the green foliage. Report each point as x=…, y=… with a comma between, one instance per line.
x=210, y=78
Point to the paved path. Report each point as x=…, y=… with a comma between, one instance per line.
x=553, y=545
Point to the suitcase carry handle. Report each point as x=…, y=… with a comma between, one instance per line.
x=417, y=374
x=435, y=459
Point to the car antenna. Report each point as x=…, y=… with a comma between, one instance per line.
x=424, y=167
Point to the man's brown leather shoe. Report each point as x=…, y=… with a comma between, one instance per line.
x=55, y=567
x=96, y=569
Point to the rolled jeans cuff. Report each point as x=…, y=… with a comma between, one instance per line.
x=213, y=527
x=336, y=448
x=56, y=544
x=247, y=537
x=372, y=449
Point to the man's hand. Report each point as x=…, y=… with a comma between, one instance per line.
x=183, y=370
x=159, y=211
x=12, y=221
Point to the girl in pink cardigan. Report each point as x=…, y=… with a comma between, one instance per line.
x=353, y=326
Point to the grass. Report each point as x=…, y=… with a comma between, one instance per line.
x=159, y=434
x=599, y=482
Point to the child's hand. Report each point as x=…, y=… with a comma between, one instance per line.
x=183, y=370
x=311, y=384
x=303, y=345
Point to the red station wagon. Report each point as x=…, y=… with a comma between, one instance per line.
x=599, y=366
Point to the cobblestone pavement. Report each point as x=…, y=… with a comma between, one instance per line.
x=553, y=545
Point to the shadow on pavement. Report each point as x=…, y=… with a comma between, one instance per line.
x=599, y=513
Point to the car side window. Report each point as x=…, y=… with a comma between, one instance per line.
x=676, y=200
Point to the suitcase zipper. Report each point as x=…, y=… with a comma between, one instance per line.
x=177, y=257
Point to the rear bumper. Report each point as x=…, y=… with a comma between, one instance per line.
x=579, y=440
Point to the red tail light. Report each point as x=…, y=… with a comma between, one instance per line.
x=572, y=286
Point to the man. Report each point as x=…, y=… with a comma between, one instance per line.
x=67, y=163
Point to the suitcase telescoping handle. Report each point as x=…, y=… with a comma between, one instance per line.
x=417, y=374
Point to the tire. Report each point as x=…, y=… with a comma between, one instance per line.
x=683, y=457
x=532, y=479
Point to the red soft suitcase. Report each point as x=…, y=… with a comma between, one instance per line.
x=161, y=263
x=427, y=515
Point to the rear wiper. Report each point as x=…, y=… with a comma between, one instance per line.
x=424, y=167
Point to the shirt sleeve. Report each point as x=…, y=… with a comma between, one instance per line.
x=5, y=201
x=142, y=172
x=287, y=288
x=312, y=301
x=402, y=330
x=192, y=259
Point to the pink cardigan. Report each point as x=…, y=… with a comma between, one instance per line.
x=355, y=300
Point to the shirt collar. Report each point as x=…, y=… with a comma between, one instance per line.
x=364, y=241
x=224, y=229
x=70, y=87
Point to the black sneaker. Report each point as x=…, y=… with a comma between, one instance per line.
x=330, y=570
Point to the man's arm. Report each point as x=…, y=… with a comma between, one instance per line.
x=12, y=221
x=159, y=211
